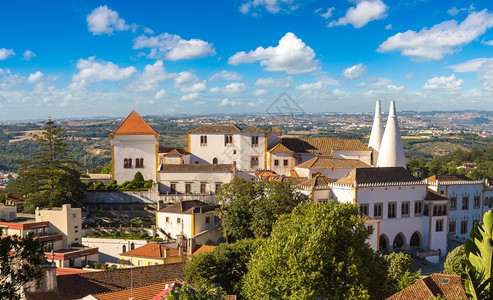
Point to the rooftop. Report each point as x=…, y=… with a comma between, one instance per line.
x=134, y=125
x=174, y=150
x=152, y=250
x=198, y=168
x=431, y=286
x=377, y=175
x=324, y=162
x=322, y=146
x=189, y=207
x=447, y=178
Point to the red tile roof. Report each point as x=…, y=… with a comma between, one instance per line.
x=280, y=148
x=228, y=128
x=167, y=150
x=68, y=271
x=322, y=146
x=429, y=287
x=134, y=125
x=432, y=195
x=324, y=162
x=189, y=207
x=319, y=181
x=446, y=178
x=204, y=248
x=152, y=250
x=146, y=292
x=253, y=129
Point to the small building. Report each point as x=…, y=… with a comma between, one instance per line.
x=316, y=188
x=334, y=168
x=153, y=254
x=432, y=286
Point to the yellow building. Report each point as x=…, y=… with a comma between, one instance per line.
x=153, y=254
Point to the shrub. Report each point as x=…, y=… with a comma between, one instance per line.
x=99, y=186
x=148, y=185
x=113, y=267
x=144, y=235
x=105, y=266
x=97, y=265
x=89, y=184
x=138, y=177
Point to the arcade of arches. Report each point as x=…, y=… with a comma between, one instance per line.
x=399, y=241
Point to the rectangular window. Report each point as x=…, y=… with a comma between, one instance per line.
x=207, y=220
x=254, y=141
x=285, y=163
x=465, y=202
x=76, y=231
x=178, y=220
x=363, y=208
x=391, y=211
x=172, y=188
x=203, y=140
x=418, y=208
x=276, y=162
x=477, y=199
x=202, y=188
x=451, y=227
x=167, y=219
x=228, y=140
x=439, y=226
x=426, y=210
x=218, y=186
x=463, y=227
x=377, y=210
x=439, y=210
x=453, y=203
x=370, y=228
x=74, y=215
x=405, y=209
x=76, y=226
x=188, y=188
x=254, y=162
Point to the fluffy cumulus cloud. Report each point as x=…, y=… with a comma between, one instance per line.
x=450, y=82
x=35, y=77
x=292, y=56
x=231, y=89
x=173, y=47
x=28, y=54
x=160, y=94
x=227, y=102
x=363, y=13
x=270, y=82
x=91, y=70
x=103, y=20
x=225, y=76
x=441, y=39
x=189, y=97
x=6, y=53
x=151, y=77
x=355, y=72
x=188, y=82
x=272, y=6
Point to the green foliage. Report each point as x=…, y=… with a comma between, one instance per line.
x=49, y=179
x=19, y=258
x=478, y=266
x=113, y=267
x=105, y=266
x=89, y=184
x=250, y=210
x=97, y=265
x=226, y=265
x=399, y=272
x=454, y=264
x=106, y=169
x=186, y=292
x=138, y=179
x=319, y=250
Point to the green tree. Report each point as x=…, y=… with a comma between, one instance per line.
x=399, y=272
x=250, y=210
x=19, y=258
x=186, y=292
x=226, y=265
x=318, y=250
x=50, y=178
x=478, y=266
x=454, y=263
x=106, y=169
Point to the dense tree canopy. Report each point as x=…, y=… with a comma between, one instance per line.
x=18, y=260
x=49, y=178
x=454, y=264
x=250, y=210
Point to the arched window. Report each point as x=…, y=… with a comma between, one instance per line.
x=129, y=165
x=124, y=248
x=214, y=161
x=141, y=162
x=399, y=241
x=415, y=240
x=125, y=163
x=203, y=140
x=132, y=246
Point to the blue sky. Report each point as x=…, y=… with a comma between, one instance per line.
x=92, y=58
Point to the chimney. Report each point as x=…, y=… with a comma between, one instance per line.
x=376, y=133
x=391, y=150
x=180, y=250
x=166, y=251
x=191, y=246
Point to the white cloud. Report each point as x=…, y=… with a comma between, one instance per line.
x=260, y=92
x=485, y=75
x=173, y=47
x=188, y=82
x=355, y=72
x=272, y=6
x=225, y=75
x=226, y=102
x=489, y=43
x=388, y=26
x=256, y=103
x=91, y=70
x=472, y=65
x=441, y=39
x=454, y=10
x=189, y=97
x=395, y=88
x=148, y=31
x=449, y=82
x=319, y=85
x=35, y=77
x=6, y=53
x=326, y=14
x=292, y=56
x=363, y=13
x=28, y=54
x=151, y=77
x=103, y=20
x=160, y=94
x=231, y=89
x=380, y=81
x=270, y=82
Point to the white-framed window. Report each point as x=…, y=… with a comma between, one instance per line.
x=378, y=210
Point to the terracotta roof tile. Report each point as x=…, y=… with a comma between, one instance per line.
x=318, y=181
x=293, y=180
x=134, y=125
x=447, y=178
x=377, y=175
x=152, y=250
x=280, y=148
x=198, y=168
x=228, y=128
x=77, y=286
x=322, y=146
x=168, y=150
x=189, y=207
x=204, y=248
x=253, y=129
x=429, y=287
x=145, y=292
x=324, y=162
x=432, y=195
x=274, y=129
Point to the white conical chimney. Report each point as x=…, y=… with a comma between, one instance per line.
x=376, y=133
x=391, y=150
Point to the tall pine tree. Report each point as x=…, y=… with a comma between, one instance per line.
x=50, y=179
